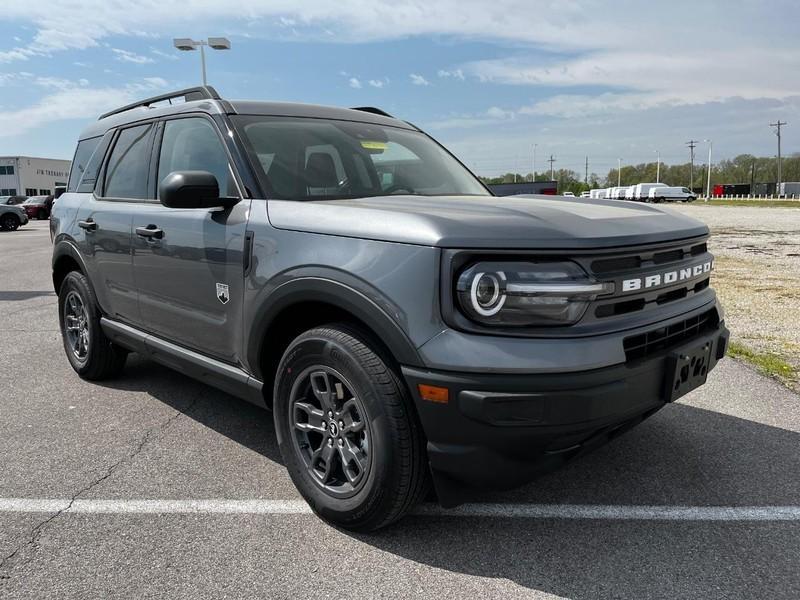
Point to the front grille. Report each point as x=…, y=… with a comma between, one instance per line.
x=664, y=338
x=632, y=264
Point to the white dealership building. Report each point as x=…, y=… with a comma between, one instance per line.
x=29, y=176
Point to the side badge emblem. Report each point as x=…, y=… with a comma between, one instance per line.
x=222, y=293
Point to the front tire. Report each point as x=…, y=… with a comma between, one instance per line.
x=347, y=430
x=9, y=222
x=92, y=355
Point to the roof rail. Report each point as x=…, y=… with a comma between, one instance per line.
x=373, y=110
x=203, y=92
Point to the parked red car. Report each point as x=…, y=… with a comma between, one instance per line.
x=38, y=207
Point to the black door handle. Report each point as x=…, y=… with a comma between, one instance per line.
x=151, y=231
x=88, y=225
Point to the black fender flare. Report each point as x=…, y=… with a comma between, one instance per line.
x=64, y=247
x=340, y=290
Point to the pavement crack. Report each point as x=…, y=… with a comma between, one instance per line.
x=152, y=434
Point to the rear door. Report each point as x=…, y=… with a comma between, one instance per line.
x=104, y=219
x=190, y=274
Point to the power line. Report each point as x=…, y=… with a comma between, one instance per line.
x=778, y=126
x=691, y=144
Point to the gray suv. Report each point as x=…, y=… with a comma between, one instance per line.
x=405, y=326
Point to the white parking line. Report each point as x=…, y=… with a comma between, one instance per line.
x=620, y=512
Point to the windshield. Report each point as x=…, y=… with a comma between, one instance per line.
x=35, y=200
x=317, y=159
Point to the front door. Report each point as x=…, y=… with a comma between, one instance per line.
x=189, y=263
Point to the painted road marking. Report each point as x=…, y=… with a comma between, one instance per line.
x=620, y=512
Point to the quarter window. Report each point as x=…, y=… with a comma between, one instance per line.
x=126, y=175
x=193, y=145
x=79, y=163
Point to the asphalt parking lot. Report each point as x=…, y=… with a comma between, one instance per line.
x=154, y=485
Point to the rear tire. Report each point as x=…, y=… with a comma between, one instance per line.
x=41, y=215
x=90, y=353
x=365, y=466
x=9, y=222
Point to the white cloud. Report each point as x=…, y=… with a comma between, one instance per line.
x=379, y=83
x=354, y=82
x=165, y=55
x=73, y=101
x=418, y=79
x=455, y=74
x=492, y=116
x=132, y=57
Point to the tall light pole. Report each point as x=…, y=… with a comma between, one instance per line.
x=658, y=165
x=708, y=181
x=619, y=172
x=534, y=162
x=189, y=45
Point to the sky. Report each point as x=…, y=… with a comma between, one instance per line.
x=489, y=79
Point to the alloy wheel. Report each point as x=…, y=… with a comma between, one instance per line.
x=331, y=433
x=76, y=325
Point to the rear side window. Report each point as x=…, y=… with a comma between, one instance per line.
x=127, y=169
x=83, y=153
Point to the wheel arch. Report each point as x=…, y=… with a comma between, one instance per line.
x=65, y=259
x=307, y=302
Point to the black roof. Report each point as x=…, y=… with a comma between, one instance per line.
x=206, y=99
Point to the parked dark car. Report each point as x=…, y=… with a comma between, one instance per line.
x=38, y=207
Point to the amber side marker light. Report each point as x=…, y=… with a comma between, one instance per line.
x=433, y=393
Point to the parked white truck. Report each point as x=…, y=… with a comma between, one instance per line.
x=670, y=194
x=641, y=191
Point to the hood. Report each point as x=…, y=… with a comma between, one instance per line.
x=488, y=221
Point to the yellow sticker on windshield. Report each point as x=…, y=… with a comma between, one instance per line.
x=370, y=145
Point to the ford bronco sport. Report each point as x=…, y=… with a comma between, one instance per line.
x=341, y=268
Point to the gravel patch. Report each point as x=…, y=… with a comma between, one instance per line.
x=757, y=275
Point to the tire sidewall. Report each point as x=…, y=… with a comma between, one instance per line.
x=12, y=220
x=313, y=350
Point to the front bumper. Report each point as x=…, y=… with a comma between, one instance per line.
x=502, y=430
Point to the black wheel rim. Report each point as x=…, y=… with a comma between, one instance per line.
x=330, y=430
x=8, y=222
x=76, y=326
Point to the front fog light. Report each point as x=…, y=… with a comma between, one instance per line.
x=519, y=294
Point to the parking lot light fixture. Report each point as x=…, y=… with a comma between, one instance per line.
x=189, y=45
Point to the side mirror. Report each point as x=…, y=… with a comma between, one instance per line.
x=192, y=189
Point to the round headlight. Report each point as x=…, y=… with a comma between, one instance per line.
x=487, y=293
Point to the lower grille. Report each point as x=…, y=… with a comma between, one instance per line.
x=663, y=338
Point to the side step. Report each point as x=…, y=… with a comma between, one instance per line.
x=213, y=372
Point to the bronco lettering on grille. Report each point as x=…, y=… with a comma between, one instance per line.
x=660, y=279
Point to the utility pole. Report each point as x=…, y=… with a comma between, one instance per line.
x=534, y=162
x=586, y=172
x=619, y=172
x=777, y=127
x=708, y=184
x=551, y=161
x=691, y=144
